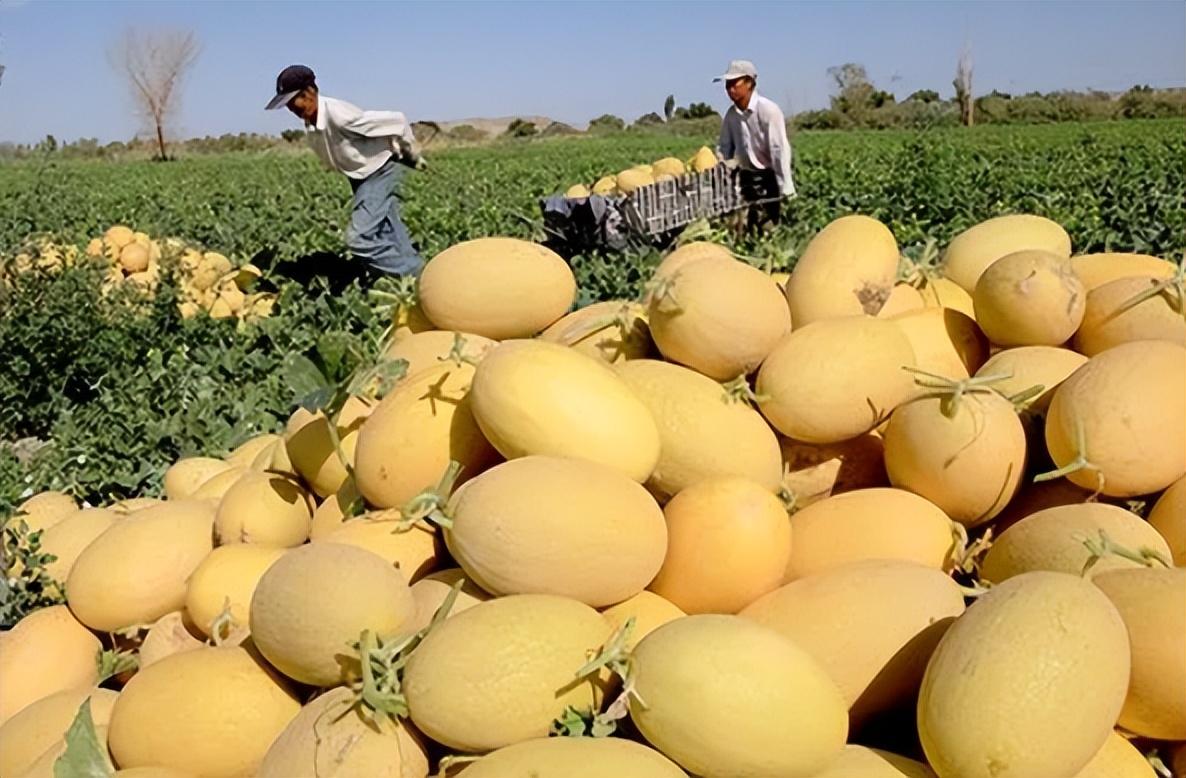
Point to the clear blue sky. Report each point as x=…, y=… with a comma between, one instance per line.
x=568, y=60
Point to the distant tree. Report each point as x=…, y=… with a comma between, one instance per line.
x=854, y=91
x=924, y=96
x=669, y=107
x=607, y=123
x=1001, y=95
x=292, y=136
x=880, y=98
x=648, y=119
x=520, y=128
x=963, y=88
x=155, y=64
x=49, y=144
x=467, y=133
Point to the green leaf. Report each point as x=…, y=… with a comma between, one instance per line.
x=84, y=756
x=305, y=379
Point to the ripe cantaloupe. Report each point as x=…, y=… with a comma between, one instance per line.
x=47, y=651
x=728, y=543
x=1168, y=517
x=563, y=757
x=944, y=293
x=720, y=317
x=649, y=611
x=606, y=185
x=216, y=487
x=703, y=434
x=212, y=710
x=813, y=472
x=43, y=510
x=330, y=737
x=848, y=269
x=414, y=552
x=629, y=181
x=1118, y=759
x=701, y=676
x=1028, y=682
x=539, y=398
x=136, y=571
x=407, y=443
x=835, y=379
x=246, y=453
x=972, y=251
x=903, y=298
x=1029, y=298
x=431, y=591
x=171, y=634
x=970, y=463
x=1123, y=412
x=871, y=625
x=313, y=602
x=688, y=253
x=185, y=475
x=945, y=341
x=266, y=509
x=1110, y=320
x=425, y=350
x=1056, y=538
x=861, y=762
x=502, y=671
x=1150, y=602
x=548, y=525
x=1025, y=367
x=331, y=513
x=576, y=192
x=227, y=579
x=612, y=331
x=868, y=524
x=40, y=725
x=496, y=287
x=705, y=159
x=310, y=447
x=669, y=166
x=1095, y=270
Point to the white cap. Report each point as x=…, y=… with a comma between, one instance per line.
x=738, y=68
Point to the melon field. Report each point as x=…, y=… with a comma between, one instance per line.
x=897, y=488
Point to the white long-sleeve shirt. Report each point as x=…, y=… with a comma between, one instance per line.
x=357, y=142
x=757, y=139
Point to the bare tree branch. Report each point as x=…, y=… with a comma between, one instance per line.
x=963, y=86
x=155, y=64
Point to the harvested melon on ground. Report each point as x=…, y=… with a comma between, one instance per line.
x=426, y=422
x=213, y=711
x=813, y=472
x=136, y=571
x=224, y=583
x=688, y=253
x=69, y=537
x=43, y=510
x=967, y=454
x=531, y=397
x=861, y=762
x=563, y=757
x=728, y=543
x=306, y=611
x=1116, y=314
x=266, y=509
x=612, y=331
x=310, y=447
x=649, y=611
x=835, y=379
x=1026, y=368
x=903, y=298
x=1028, y=682
x=415, y=551
x=171, y=634
x=431, y=591
x=945, y=341
x=972, y=251
x=1029, y=298
x=1115, y=426
x=333, y=736
x=46, y=652
x=720, y=317
x=1150, y=602
x=496, y=287
x=247, y=452
x=339, y=507
x=703, y=432
x=1168, y=517
x=1069, y=537
x=39, y=726
x=944, y=293
x=701, y=676
x=871, y=625
x=502, y=671
x=869, y=524
x=185, y=475
x=1095, y=270
x=547, y=525
x=1118, y=759
x=216, y=487
x=848, y=269
x=425, y=350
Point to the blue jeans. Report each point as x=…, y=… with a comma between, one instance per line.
x=376, y=235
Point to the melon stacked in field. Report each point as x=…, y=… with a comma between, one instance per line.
x=846, y=524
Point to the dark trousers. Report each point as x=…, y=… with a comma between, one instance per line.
x=760, y=187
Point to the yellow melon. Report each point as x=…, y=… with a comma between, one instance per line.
x=588, y=757
x=1027, y=367
x=972, y=251
x=47, y=651
x=813, y=472
x=424, y=350
x=414, y=552
x=649, y=611
x=1168, y=517
x=431, y=591
x=1029, y=298
x=226, y=580
x=40, y=725
x=262, y=508
x=945, y=341
x=612, y=331
x=67, y=539
x=848, y=269
x=1110, y=319
x=903, y=298
x=1095, y=270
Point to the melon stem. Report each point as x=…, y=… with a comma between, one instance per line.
x=1080, y=462
x=1104, y=546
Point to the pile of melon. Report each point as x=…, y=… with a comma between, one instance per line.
x=835, y=526
x=631, y=179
